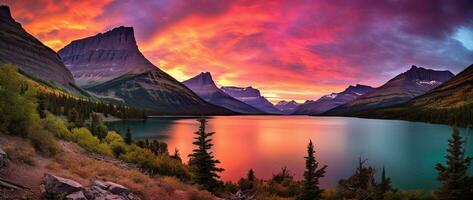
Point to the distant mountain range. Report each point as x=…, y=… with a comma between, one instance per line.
x=450, y=102
x=252, y=97
x=287, y=107
x=328, y=102
x=204, y=86
x=402, y=88
x=30, y=55
x=111, y=66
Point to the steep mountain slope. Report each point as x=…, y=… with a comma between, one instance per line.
x=287, y=107
x=31, y=56
x=204, y=86
x=252, y=97
x=456, y=92
x=105, y=56
x=402, y=88
x=333, y=100
x=111, y=66
x=451, y=102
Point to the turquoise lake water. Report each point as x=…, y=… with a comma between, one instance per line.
x=408, y=150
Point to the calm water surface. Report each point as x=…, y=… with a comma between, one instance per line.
x=408, y=150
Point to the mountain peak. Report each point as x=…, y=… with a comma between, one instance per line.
x=122, y=30
x=5, y=13
x=420, y=73
x=204, y=78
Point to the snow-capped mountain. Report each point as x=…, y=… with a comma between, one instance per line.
x=204, y=86
x=402, y=88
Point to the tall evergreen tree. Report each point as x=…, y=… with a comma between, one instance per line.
x=453, y=175
x=202, y=161
x=128, y=137
x=385, y=184
x=251, y=175
x=312, y=174
x=97, y=127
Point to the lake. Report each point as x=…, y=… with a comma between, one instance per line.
x=408, y=150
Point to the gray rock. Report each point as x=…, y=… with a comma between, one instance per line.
x=57, y=186
x=100, y=184
x=3, y=158
x=79, y=195
x=95, y=192
x=112, y=197
x=117, y=188
x=243, y=195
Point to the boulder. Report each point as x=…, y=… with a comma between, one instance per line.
x=243, y=195
x=115, y=188
x=3, y=158
x=79, y=195
x=57, y=186
x=95, y=192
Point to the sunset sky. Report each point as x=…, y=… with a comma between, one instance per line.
x=288, y=49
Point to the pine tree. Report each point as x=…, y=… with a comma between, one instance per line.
x=251, y=175
x=202, y=161
x=97, y=127
x=454, y=178
x=385, y=184
x=310, y=188
x=128, y=137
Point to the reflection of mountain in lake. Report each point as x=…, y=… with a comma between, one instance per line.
x=154, y=128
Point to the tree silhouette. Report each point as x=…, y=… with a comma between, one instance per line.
x=128, y=137
x=312, y=174
x=202, y=162
x=453, y=175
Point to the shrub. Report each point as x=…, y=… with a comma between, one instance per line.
x=163, y=165
x=21, y=154
x=172, y=167
x=118, y=148
x=143, y=157
x=408, y=195
x=17, y=103
x=44, y=142
x=56, y=126
x=113, y=136
x=86, y=140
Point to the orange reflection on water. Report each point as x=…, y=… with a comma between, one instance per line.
x=264, y=145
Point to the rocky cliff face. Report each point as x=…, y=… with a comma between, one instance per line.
x=111, y=66
x=252, y=97
x=105, y=56
x=204, y=86
x=402, y=88
x=32, y=57
x=331, y=101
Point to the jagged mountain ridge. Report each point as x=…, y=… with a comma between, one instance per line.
x=204, y=86
x=452, y=93
x=287, y=107
x=328, y=102
x=402, y=88
x=111, y=66
x=450, y=102
x=30, y=55
x=252, y=97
